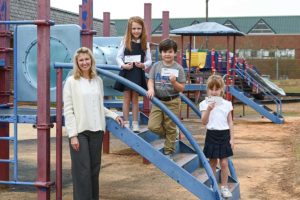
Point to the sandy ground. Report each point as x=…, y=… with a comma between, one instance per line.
x=267, y=161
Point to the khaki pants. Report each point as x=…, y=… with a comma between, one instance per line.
x=161, y=124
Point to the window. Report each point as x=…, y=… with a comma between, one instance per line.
x=261, y=27
x=229, y=24
x=159, y=29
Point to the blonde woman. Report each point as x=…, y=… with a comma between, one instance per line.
x=85, y=114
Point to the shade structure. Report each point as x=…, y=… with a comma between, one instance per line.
x=207, y=29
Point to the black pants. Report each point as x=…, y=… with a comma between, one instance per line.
x=86, y=165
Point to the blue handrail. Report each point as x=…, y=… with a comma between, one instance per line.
x=28, y=22
x=264, y=90
x=58, y=65
x=190, y=104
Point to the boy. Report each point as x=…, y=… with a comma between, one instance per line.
x=166, y=80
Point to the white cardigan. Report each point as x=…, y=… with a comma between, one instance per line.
x=83, y=105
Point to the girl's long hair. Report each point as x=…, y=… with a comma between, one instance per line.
x=128, y=35
x=77, y=73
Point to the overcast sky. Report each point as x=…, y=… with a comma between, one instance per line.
x=123, y=9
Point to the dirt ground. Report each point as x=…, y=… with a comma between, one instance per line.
x=266, y=158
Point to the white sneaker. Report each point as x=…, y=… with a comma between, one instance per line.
x=225, y=192
x=177, y=133
x=135, y=127
x=127, y=124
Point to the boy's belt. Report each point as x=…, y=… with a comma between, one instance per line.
x=168, y=98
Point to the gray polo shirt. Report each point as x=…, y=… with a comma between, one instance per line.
x=162, y=84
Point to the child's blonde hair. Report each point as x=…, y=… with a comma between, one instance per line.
x=76, y=70
x=216, y=81
x=128, y=35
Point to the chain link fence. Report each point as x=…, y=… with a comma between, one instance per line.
x=277, y=68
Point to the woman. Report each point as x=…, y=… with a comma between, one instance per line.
x=85, y=114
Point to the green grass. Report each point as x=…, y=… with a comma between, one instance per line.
x=289, y=85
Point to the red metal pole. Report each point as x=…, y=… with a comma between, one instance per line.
x=148, y=20
x=234, y=67
x=179, y=60
x=165, y=25
x=106, y=33
x=87, y=23
x=228, y=77
x=106, y=142
x=43, y=102
x=106, y=24
x=5, y=74
x=189, y=75
x=148, y=25
x=182, y=53
x=59, y=134
x=220, y=62
x=213, y=63
x=234, y=60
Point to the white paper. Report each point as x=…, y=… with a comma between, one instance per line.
x=216, y=99
x=169, y=72
x=132, y=58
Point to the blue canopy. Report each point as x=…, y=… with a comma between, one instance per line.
x=207, y=29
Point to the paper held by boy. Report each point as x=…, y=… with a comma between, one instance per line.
x=169, y=72
x=212, y=99
x=132, y=58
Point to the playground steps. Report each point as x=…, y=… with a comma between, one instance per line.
x=247, y=88
x=184, y=166
x=256, y=105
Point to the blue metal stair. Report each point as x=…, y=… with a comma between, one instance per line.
x=188, y=166
x=244, y=96
x=185, y=166
x=256, y=105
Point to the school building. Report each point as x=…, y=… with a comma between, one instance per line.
x=272, y=43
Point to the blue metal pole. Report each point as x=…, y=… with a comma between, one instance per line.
x=191, y=104
x=36, y=22
x=58, y=65
x=15, y=105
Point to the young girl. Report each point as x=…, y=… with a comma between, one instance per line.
x=133, y=57
x=219, y=141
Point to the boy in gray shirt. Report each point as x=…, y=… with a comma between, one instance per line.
x=166, y=80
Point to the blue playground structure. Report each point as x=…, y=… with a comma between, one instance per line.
x=189, y=167
x=247, y=86
x=243, y=82
x=36, y=47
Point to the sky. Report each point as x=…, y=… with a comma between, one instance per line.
x=123, y=9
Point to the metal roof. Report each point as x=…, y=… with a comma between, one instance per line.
x=280, y=24
x=207, y=29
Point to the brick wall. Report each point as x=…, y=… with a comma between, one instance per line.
x=27, y=10
x=287, y=67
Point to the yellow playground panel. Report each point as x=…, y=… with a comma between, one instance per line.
x=198, y=59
